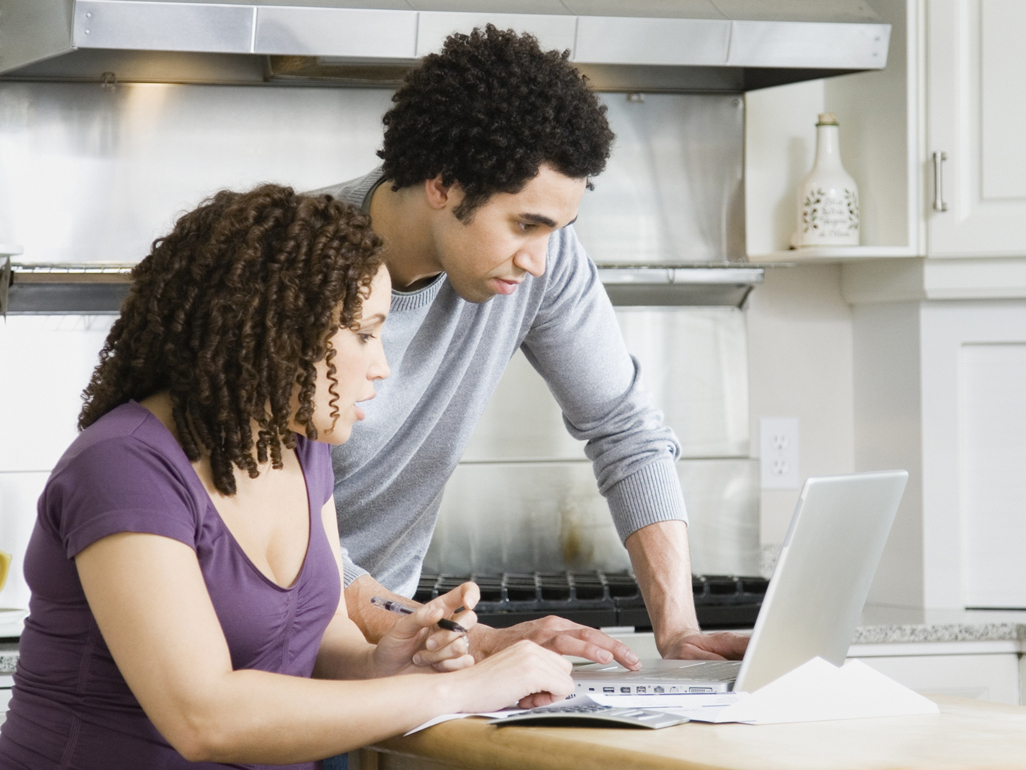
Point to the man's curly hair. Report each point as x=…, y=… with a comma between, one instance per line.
x=486, y=112
x=230, y=312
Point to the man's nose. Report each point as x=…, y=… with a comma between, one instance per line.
x=532, y=257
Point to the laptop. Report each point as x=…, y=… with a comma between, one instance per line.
x=829, y=557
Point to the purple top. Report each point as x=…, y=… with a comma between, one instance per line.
x=71, y=708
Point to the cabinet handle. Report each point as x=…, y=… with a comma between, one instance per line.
x=938, y=181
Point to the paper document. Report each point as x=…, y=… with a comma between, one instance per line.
x=449, y=717
x=818, y=691
x=815, y=691
x=699, y=707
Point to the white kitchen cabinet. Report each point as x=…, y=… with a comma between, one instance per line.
x=982, y=670
x=955, y=86
x=975, y=104
x=879, y=138
x=938, y=391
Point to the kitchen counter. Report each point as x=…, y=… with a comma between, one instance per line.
x=889, y=625
x=878, y=626
x=8, y=657
x=886, y=631
x=966, y=734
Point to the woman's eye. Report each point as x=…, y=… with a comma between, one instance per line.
x=366, y=337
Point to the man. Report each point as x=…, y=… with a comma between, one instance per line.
x=488, y=150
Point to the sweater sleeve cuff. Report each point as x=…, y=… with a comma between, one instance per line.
x=650, y=495
x=350, y=571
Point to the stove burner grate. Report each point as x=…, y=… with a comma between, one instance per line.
x=597, y=599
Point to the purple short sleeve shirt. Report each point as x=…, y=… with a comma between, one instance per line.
x=71, y=708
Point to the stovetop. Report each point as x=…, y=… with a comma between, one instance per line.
x=598, y=599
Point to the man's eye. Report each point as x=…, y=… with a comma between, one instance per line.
x=527, y=227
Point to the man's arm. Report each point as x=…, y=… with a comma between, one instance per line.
x=557, y=634
x=577, y=346
x=662, y=564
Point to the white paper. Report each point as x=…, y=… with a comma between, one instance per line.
x=669, y=701
x=700, y=707
x=817, y=691
x=576, y=700
x=449, y=717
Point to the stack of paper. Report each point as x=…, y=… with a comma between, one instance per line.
x=815, y=691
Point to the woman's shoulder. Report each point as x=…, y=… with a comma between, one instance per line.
x=315, y=457
x=128, y=429
x=125, y=472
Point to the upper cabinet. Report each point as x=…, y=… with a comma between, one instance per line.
x=935, y=141
x=877, y=112
x=976, y=146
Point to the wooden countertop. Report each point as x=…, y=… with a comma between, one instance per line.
x=967, y=733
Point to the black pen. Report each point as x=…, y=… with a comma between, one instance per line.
x=402, y=609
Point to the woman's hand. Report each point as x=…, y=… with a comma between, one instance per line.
x=415, y=642
x=524, y=674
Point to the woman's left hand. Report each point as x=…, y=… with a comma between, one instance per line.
x=415, y=642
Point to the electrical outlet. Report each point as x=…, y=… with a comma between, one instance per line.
x=778, y=452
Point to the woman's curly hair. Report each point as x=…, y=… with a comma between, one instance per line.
x=230, y=312
x=486, y=112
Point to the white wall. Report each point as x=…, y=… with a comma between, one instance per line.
x=45, y=362
x=800, y=365
x=888, y=412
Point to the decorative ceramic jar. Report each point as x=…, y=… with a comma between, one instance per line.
x=828, y=199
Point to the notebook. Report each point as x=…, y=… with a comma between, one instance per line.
x=827, y=563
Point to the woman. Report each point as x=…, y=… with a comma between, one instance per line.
x=185, y=565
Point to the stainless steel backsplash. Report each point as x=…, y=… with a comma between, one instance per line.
x=525, y=499
x=673, y=189
x=694, y=362
x=89, y=173
x=94, y=174
x=526, y=517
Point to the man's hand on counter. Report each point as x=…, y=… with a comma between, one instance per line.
x=695, y=645
x=662, y=563
x=557, y=634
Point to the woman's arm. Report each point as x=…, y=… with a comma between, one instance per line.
x=151, y=604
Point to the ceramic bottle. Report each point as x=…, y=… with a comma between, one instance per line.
x=828, y=198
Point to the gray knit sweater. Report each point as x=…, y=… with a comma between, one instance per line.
x=446, y=357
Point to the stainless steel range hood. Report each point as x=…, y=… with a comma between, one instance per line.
x=654, y=45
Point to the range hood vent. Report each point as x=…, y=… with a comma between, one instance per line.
x=655, y=45
x=101, y=287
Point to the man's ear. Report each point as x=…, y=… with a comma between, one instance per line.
x=439, y=195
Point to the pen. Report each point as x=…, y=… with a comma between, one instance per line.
x=402, y=609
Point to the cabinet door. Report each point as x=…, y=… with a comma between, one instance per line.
x=992, y=678
x=976, y=107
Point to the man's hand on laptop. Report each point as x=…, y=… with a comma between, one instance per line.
x=557, y=634
x=692, y=644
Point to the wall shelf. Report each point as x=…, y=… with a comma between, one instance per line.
x=835, y=254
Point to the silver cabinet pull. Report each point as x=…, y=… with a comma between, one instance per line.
x=938, y=181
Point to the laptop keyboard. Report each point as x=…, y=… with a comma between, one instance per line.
x=592, y=715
